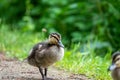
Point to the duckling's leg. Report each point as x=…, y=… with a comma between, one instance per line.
x=41, y=71
x=45, y=72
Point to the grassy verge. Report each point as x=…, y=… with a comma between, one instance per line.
x=94, y=67
x=17, y=44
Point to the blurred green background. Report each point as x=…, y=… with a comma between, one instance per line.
x=77, y=21
x=89, y=26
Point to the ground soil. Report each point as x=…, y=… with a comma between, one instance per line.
x=17, y=70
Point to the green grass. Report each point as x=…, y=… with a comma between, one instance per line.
x=94, y=67
x=17, y=44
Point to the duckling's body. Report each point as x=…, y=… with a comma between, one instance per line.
x=115, y=66
x=116, y=74
x=46, y=53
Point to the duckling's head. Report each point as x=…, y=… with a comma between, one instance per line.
x=115, y=61
x=55, y=38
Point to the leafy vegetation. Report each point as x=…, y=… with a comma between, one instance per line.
x=78, y=21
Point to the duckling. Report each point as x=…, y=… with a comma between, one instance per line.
x=46, y=53
x=115, y=66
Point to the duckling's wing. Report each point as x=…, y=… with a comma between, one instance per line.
x=37, y=48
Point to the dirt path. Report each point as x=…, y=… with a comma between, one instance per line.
x=16, y=70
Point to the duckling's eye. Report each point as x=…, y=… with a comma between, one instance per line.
x=117, y=59
x=55, y=37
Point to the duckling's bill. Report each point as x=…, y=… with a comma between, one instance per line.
x=112, y=67
x=60, y=44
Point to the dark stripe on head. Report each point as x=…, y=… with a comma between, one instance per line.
x=57, y=36
x=115, y=55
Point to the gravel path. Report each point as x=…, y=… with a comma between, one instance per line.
x=17, y=70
